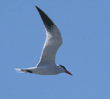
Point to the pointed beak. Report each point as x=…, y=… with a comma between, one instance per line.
x=68, y=73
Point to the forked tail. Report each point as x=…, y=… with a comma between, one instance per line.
x=23, y=70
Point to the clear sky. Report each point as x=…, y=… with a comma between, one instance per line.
x=85, y=29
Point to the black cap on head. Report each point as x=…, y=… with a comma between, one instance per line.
x=63, y=67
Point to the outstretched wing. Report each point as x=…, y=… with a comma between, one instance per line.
x=53, y=40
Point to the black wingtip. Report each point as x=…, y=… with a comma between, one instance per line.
x=46, y=20
x=36, y=7
x=29, y=71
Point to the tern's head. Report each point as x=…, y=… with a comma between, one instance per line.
x=65, y=70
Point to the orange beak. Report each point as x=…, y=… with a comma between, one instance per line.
x=68, y=72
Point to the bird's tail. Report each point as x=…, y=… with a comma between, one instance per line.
x=23, y=70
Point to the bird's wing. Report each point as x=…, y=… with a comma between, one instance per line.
x=53, y=40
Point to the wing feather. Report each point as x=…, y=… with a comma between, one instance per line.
x=53, y=40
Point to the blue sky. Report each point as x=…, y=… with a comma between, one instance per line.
x=85, y=29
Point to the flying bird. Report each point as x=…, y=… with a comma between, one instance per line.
x=47, y=65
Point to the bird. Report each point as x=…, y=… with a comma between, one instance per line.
x=46, y=64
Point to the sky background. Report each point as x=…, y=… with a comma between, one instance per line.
x=85, y=29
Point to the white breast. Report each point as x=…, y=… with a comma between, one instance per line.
x=48, y=70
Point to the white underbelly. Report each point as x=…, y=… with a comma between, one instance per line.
x=46, y=71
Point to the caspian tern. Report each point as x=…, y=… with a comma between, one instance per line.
x=46, y=65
